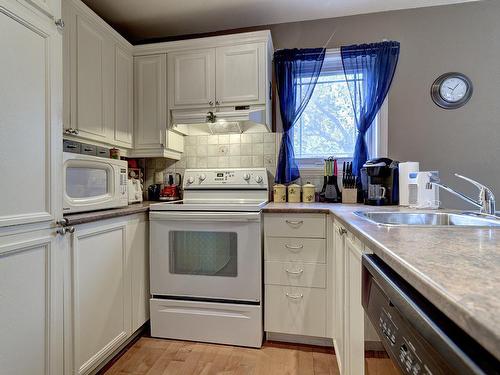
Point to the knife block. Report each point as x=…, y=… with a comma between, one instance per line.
x=349, y=196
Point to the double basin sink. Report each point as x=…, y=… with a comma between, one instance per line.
x=429, y=219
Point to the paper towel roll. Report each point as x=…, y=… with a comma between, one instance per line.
x=404, y=170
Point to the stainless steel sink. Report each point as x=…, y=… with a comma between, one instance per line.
x=428, y=219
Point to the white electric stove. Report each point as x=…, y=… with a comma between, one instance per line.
x=206, y=258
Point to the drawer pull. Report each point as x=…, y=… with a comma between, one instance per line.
x=292, y=222
x=294, y=272
x=294, y=296
x=294, y=247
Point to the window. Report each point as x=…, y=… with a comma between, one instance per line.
x=327, y=125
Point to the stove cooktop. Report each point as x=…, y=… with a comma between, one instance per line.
x=237, y=205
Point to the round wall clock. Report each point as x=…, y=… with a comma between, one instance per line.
x=451, y=90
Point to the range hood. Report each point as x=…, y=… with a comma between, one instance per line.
x=223, y=120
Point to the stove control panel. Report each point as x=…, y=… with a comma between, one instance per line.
x=243, y=178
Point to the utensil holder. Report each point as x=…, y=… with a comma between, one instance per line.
x=349, y=196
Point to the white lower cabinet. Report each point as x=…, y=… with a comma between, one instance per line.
x=31, y=308
x=108, y=281
x=295, y=275
x=354, y=314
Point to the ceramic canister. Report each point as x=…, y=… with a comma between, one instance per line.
x=308, y=193
x=279, y=193
x=293, y=193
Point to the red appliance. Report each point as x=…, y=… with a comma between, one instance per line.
x=170, y=190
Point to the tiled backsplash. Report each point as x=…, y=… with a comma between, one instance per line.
x=220, y=151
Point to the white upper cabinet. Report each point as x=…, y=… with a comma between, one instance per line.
x=50, y=8
x=30, y=116
x=151, y=136
x=150, y=100
x=98, y=79
x=124, y=103
x=92, y=86
x=192, y=78
x=241, y=76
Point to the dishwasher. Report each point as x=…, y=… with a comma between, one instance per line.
x=417, y=336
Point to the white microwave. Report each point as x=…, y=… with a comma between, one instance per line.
x=93, y=183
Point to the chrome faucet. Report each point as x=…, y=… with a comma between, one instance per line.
x=486, y=202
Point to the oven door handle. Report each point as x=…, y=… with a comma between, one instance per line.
x=205, y=216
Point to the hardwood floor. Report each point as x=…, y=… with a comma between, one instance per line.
x=150, y=356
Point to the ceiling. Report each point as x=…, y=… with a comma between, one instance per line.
x=148, y=19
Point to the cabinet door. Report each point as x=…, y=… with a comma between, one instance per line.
x=354, y=313
x=241, y=76
x=124, y=76
x=30, y=116
x=92, y=80
x=191, y=78
x=339, y=245
x=50, y=8
x=150, y=97
x=101, y=293
x=31, y=306
x=138, y=248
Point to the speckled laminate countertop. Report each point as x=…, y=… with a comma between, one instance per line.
x=87, y=217
x=457, y=269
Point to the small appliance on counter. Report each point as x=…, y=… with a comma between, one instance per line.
x=170, y=190
x=404, y=170
x=380, y=182
x=422, y=192
x=93, y=183
x=134, y=190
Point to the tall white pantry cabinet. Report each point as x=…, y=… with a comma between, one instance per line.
x=31, y=253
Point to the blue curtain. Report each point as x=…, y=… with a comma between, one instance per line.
x=297, y=71
x=369, y=70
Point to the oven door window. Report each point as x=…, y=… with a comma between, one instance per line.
x=203, y=253
x=86, y=182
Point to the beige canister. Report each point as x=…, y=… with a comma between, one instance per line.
x=279, y=193
x=294, y=193
x=308, y=193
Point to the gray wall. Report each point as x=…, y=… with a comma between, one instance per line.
x=463, y=38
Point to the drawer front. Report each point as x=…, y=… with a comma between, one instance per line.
x=295, y=274
x=295, y=225
x=88, y=149
x=295, y=249
x=295, y=310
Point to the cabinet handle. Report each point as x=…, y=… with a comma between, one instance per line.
x=294, y=272
x=63, y=222
x=291, y=222
x=59, y=23
x=294, y=296
x=70, y=229
x=61, y=231
x=294, y=247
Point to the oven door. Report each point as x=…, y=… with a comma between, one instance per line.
x=206, y=255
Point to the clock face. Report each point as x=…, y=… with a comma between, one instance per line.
x=453, y=89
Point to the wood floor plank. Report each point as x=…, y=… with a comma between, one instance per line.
x=150, y=356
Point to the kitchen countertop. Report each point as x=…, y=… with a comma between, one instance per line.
x=87, y=217
x=457, y=269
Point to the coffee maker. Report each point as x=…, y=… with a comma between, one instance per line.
x=380, y=182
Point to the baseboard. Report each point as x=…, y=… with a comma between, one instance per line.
x=299, y=339
x=113, y=357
